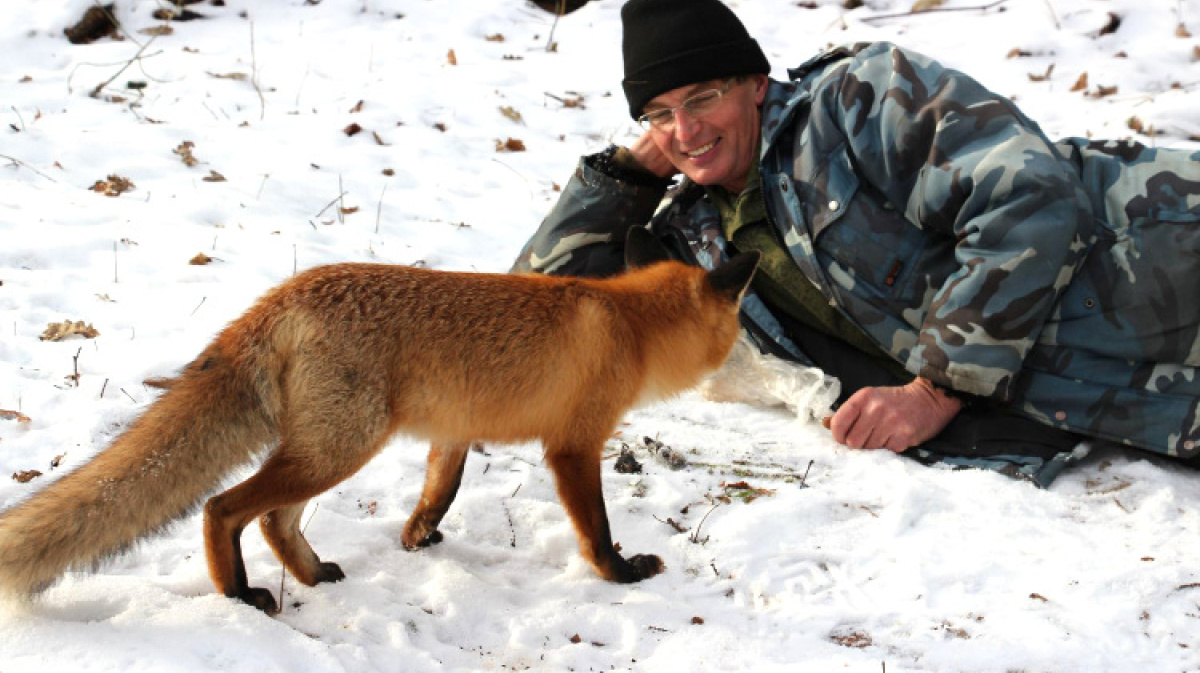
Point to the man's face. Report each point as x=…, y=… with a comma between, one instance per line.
x=718, y=146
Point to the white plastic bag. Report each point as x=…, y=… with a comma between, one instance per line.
x=751, y=377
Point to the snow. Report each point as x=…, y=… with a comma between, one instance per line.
x=873, y=561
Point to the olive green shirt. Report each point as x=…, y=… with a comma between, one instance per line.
x=779, y=281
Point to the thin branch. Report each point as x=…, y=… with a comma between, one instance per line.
x=18, y=162
x=96, y=92
x=262, y=101
x=335, y=200
x=935, y=10
x=19, y=117
x=379, y=208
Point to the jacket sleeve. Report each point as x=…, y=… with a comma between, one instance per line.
x=584, y=234
x=964, y=162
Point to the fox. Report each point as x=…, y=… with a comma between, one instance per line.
x=324, y=369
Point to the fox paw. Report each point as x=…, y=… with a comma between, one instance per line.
x=413, y=542
x=646, y=565
x=329, y=572
x=262, y=599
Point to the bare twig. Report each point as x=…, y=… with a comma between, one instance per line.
x=935, y=10
x=262, y=101
x=379, y=208
x=19, y=117
x=100, y=87
x=695, y=537
x=335, y=200
x=106, y=65
x=1053, y=14
x=18, y=162
x=202, y=300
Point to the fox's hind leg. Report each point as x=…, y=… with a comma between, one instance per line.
x=443, y=474
x=281, y=528
x=577, y=476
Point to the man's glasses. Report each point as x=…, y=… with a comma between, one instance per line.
x=696, y=106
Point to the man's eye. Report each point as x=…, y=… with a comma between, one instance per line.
x=703, y=100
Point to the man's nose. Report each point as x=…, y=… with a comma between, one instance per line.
x=685, y=124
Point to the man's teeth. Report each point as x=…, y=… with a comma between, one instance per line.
x=701, y=150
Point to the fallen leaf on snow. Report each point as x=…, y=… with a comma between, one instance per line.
x=1042, y=78
x=57, y=331
x=926, y=5
x=114, y=185
x=13, y=416
x=511, y=113
x=498, y=37
x=352, y=130
x=158, y=31
x=1017, y=52
x=25, y=476
x=451, y=58
x=1182, y=31
x=213, y=176
x=239, y=76
x=1081, y=84
x=185, y=152
x=510, y=145
x=1114, y=22
x=200, y=259
x=357, y=108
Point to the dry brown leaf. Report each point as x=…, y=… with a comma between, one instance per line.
x=855, y=639
x=379, y=140
x=1039, y=597
x=357, y=108
x=1196, y=53
x=158, y=31
x=1182, y=31
x=498, y=37
x=1042, y=78
x=440, y=126
x=1081, y=83
x=57, y=331
x=56, y=461
x=13, y=416
x=213, y=176
x=511, y=113
x=349, y=211
x=1018, y=52
x=25, y=476
x=114, y=185
x=389, y=172
x=353, y=129
x=1114, y=22
x=926, y=5
x=451, y=58
x=510, y=145
x=185, y=152
x=26, y=79
x=1102, y=91
x=239, y=76
x=200, y=259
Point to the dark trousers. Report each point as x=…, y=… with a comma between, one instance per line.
x=981, y=429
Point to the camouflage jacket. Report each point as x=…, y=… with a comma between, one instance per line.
x=1054, y=278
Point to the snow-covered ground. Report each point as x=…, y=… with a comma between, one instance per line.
x=874, y=563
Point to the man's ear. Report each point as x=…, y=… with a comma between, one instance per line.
x=733, y=277
x=642, y=248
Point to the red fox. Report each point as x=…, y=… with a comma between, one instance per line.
x=330, y=364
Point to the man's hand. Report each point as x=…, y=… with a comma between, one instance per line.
x=649, y=157
x=894, y=418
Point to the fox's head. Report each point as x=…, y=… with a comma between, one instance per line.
x=702, y=307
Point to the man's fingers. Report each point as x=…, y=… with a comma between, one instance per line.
x=845, y=418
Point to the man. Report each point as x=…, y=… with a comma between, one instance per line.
x=977, y=288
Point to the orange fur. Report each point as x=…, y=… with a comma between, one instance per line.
x=335, y=361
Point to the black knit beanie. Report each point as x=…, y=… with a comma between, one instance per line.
x=672, y=43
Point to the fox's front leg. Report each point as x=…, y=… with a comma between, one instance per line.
x=577, y=476
x=443, y=474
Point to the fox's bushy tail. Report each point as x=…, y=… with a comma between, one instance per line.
x=210, y=421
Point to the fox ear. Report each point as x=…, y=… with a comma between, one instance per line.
x=733, y=277
x=642, y=248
